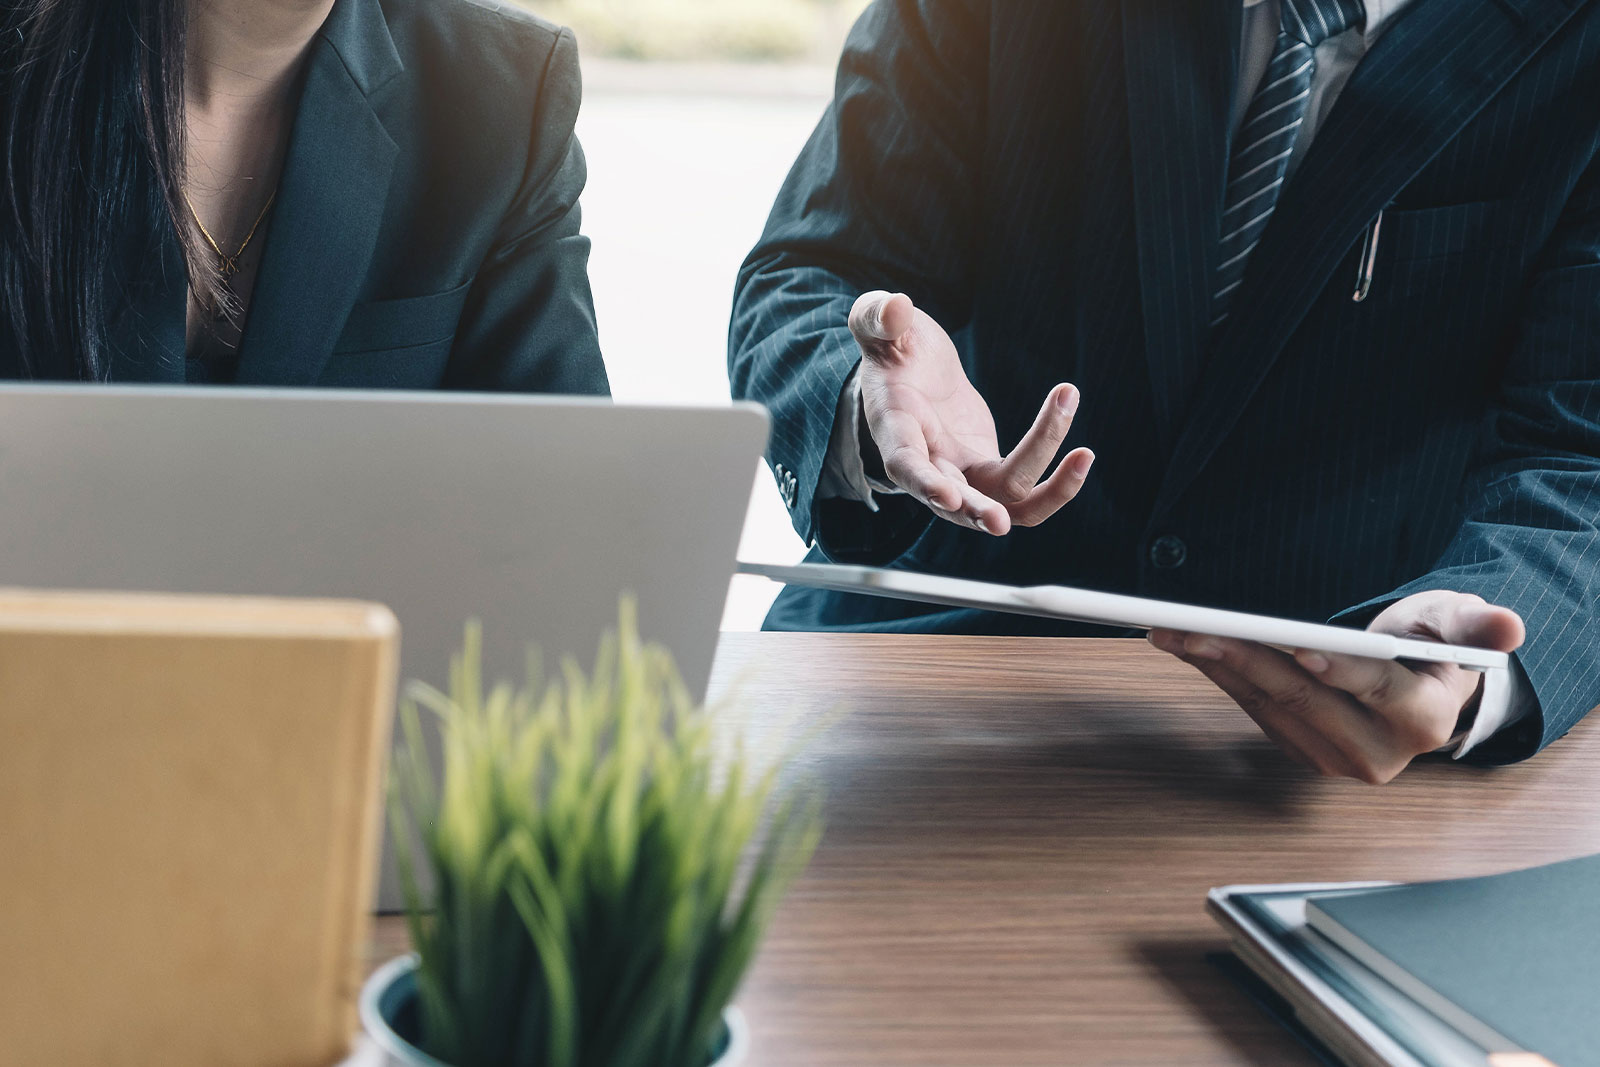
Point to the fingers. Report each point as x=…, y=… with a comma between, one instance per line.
x=1014, y=481
x=1337, y=735
x=1377, y=683
x=1407, y=702
x=1055, y=492
x=1020, y=472
x=939, y=484
x=1295, y=739
x=987, y=518
x=1470, y=621
x=906, y=461
x=1248, y=695
x=880, y=320
x=977, y=511
x=943, y=489
x=1416, y=707
x=1290, y=691
x=1454, y=618
x=1294, y=701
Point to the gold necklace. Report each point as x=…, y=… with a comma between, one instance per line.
x=228, y=266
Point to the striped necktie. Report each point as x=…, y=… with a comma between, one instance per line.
x=1263, y=145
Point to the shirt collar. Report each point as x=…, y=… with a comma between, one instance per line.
x=1379, y=14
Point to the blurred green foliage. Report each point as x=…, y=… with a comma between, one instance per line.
x=703, y=30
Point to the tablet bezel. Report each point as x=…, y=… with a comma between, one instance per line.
x=1116, y=609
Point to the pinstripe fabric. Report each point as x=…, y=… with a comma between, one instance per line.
x=1259, y=159
x=1046, y=178
x=1181, y=61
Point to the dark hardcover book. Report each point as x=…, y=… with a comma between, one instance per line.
x=1355, y=1016
x=1272, y=1003
x=1510, y=960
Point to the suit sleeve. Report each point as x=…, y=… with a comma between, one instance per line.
x=1529, y=539
x=528, y=324
x=883, y=196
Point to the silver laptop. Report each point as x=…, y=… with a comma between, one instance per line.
x=530, y=513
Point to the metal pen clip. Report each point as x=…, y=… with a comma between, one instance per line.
x=1369, y=260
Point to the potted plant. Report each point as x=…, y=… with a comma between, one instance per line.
x=602, y=870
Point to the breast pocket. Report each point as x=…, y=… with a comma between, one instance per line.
x=1445, y=291
x=1444, y=252
x=397, y=344
x=414, y=321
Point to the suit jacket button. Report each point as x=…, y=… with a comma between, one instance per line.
x=1168, y=553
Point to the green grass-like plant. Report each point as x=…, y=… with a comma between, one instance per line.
x=602, y=872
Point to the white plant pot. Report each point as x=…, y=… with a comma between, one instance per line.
x=392, y=988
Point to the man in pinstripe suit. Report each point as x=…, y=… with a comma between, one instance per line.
x=1326, y=275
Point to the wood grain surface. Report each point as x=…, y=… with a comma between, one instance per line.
x=1021, y=833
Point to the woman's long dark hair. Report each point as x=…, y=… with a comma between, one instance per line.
x=92, y=143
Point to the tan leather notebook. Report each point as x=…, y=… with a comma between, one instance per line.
x=190, y=790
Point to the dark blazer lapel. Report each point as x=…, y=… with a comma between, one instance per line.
x=1182, y=61
x=330, y=203
x=1435, y=69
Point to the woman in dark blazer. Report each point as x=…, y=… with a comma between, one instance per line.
x=359, y=193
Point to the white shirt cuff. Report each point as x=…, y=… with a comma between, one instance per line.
x=844, y=473
x=1507, y=698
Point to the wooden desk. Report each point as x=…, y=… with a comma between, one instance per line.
x=1021, y=833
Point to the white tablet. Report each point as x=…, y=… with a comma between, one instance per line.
x=1113, y=609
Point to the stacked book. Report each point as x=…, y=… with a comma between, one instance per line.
x=190, y=792
x=1501, y=971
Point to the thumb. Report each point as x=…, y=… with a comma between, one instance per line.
x=879, y=318
x=1479, y=625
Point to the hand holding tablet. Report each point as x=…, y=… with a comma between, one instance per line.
x=1366, y=718
x=1347, y=702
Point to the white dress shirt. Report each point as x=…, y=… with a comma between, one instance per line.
x=1504, y=700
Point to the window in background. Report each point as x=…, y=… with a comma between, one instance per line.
x=693, y=112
